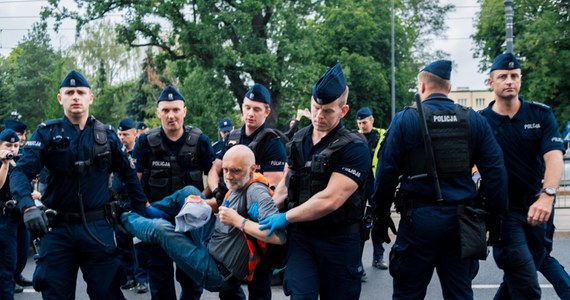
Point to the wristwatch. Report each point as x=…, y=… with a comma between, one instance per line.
x=549, y=191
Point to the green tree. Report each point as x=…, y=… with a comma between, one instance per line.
x=97, y=51
x=28, y=78
x=284, y=45
x=541, y=42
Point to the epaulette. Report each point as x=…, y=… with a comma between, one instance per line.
x=50, y=123
x=540, y=105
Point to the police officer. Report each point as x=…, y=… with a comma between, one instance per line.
x=265, y=142
x=225, y=126
x=428, y=231
x=141, y=128
x=374, y=136
x=23, y=234
x=271, y=157
x=10, y=217
x=137, y=277
x=327, y=168
x=169, y=158
x=528, y=134
x=79, y=153
x=19, y=127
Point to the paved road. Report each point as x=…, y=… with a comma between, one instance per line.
x=379, y=285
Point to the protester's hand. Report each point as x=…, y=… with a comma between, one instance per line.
x=36, y=221
x=274, y=222
x=155, y=213
x=229, y=216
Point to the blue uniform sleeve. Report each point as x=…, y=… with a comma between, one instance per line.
x=274, y=156
x=355, y=161
x=127, y=174
x=141, y=153
x=551, y=138
x=28, y=166
x=389, y=162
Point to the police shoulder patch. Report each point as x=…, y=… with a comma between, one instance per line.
x=49, y=123
x=539, y=105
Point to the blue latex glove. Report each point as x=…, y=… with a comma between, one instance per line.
x=274, y=222
x=155, y=213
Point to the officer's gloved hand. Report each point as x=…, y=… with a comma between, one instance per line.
x=36, y=221
x=220, y=193
x=274, y=222
x=385, y=222
x=155, y=213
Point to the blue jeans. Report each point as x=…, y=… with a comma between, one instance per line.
x=519, y=254
x=8, y=255
x=430, y=241
x=191, y=253
x=68, y=247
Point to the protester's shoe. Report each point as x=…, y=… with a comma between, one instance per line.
x=380, y=264
x=141, y=288
x=128, y=285
x=18, y=288
x=23, y=281
x=364, y=277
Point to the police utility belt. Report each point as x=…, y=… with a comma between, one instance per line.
x=75, y=218
x=110, y=213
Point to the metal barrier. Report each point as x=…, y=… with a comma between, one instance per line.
x=563, y=197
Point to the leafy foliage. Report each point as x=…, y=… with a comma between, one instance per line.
x=541, y=41
x=29, y=86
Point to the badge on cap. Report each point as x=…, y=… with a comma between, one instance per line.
x=72, y=82
x=330, y=86
x=258, y=92
x=170, y=93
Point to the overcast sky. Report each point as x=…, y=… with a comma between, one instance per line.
x=17, y=17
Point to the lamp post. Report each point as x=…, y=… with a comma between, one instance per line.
x=393, y=67
x=509, y=25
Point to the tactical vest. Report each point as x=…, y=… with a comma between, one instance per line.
x=450, y=134
x=258, y=143
x=306, y=178
x=60, y=153
x=166, y=173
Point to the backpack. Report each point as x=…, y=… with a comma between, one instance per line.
x=274, y=256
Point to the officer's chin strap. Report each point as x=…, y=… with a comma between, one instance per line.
x=81, y=167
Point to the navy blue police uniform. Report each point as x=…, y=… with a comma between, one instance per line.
x=23, y=235
x=428, y=230
x=224, y=124
x=324, y=254
x=136, y=276
x=524, y=138
x=79, y=164
x=166, y=167
x=270, y=156
x=10, y=224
